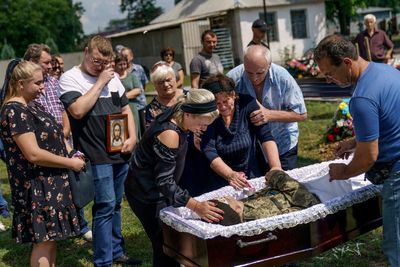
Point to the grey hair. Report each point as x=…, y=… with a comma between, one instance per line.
x=161, y=72
x=370, y=17
x=266, y=52
x=196, y=96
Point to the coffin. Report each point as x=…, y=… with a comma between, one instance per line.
x=279, y=239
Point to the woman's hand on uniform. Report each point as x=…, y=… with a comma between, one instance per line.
x=237, y=180
x=208, y=211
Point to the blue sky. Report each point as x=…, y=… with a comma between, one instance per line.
x=99, y=12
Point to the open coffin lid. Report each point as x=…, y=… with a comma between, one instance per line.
x=339, y=217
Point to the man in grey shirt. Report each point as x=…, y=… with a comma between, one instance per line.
x=205, y=63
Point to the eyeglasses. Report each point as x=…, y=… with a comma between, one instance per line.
x=158, y=64
x=97, y=62
x=168, y=54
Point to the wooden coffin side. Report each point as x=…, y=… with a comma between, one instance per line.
x=278, y=246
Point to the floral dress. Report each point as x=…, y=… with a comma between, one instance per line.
x=41, y=195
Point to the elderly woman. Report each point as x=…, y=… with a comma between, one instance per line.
x=157, y=163
x=164, y=80
x=168, y=56
x=229, y=144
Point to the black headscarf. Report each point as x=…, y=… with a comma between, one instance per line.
x=10, y=68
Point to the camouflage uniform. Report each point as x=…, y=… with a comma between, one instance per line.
x=283, y=195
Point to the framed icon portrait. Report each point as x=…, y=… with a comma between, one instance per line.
x=117, y=132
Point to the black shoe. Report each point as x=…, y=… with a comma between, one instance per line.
x=123, y=259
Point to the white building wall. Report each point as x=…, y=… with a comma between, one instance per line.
x=316, y=29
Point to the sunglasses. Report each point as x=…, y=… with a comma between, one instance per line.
x=168, y=54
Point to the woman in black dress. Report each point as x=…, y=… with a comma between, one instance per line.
x=37, y=163
x=157, y=164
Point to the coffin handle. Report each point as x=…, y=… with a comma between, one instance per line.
x=243, y=244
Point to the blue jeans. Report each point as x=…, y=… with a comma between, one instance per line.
x=391, y=216
x=107, y=237
x=3, y=202
x=83, y=224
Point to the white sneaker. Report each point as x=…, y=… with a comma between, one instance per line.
x=2, y=227
x=88, y=236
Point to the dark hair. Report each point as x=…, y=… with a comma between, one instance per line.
x=231, y=217
x=207, y=32
x=10, y=68
x=219, y=83
x=119, y=57
x=335, y=47
x=165, y=51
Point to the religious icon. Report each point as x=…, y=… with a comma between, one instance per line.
x=117, y=131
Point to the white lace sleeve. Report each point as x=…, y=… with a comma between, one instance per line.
x=315, y=177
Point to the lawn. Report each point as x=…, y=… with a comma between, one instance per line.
x=363, y=251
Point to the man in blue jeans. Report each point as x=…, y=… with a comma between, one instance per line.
x=90, y=92
x=375, y=108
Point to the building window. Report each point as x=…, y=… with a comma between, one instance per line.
x=272, y=26
x=299, y=23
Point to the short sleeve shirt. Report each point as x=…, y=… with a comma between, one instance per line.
x=375, y=109
x=280, y=92
x=89, y=133
x=205, y=65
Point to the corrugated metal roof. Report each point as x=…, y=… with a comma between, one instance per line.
x=188, y=10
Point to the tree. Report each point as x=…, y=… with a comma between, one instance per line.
x=140, y=12
x=343, y=11
x=33, y=21
x=53, y=46
x=7, y=52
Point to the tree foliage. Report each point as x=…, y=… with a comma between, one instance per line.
x=345, y=10
x=7, y=51
x=34, y=21
x=140, y=12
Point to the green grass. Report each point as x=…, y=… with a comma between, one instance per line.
x=363, y=251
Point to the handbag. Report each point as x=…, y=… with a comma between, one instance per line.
x=82, y=185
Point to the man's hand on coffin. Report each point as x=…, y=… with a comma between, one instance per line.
x=208, y=211
x=345, y=149
x=238, y=180
x=336, y=171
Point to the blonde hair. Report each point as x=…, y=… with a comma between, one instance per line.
x=161, y=71
x=102, y=44
x=196, y=96
x=23, y=71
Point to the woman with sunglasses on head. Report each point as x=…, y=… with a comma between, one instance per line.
x=37, y=165
x=163, y=78
x=168, y=56
x=157, y=164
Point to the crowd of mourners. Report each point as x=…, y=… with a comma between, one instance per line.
x=227, y=129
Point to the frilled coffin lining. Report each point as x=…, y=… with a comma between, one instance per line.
x=342, y=195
